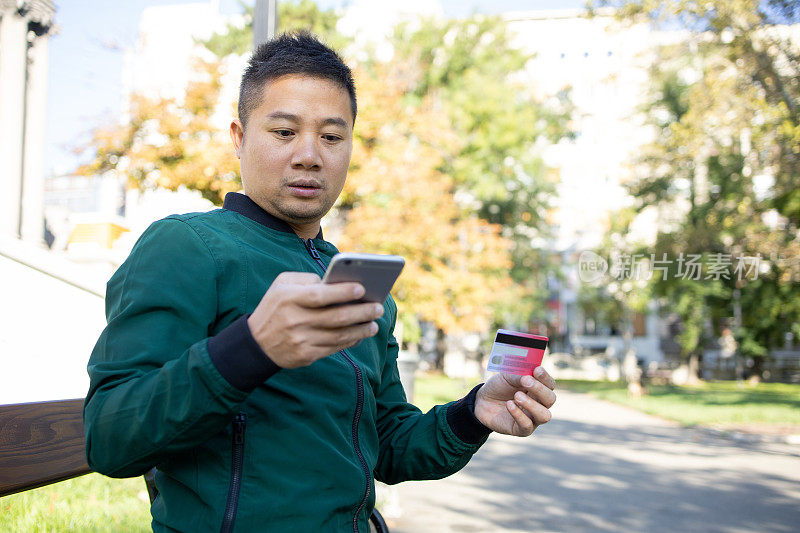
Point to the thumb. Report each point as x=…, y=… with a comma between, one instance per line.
x=501, y=386
x=513, y=380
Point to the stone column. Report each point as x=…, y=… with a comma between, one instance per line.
x=33, y=162
x=13, y=58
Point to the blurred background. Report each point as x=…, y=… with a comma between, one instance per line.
x=622, y=176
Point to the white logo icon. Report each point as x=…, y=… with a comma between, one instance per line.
x=591, y=267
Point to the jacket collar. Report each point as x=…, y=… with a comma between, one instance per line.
x=243, y=205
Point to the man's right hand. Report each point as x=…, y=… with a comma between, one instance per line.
x=299, y=320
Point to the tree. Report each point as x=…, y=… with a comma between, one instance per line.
x=468, y=68
x=763, y=61
x=397, y=200
x=293, y=15
x=167, y=143
x=495, y=168
x=725, y=109
x=614, y=302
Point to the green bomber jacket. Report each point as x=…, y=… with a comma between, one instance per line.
x=178, y=383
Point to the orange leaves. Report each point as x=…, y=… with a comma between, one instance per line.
x=169, y=144
x=396, y=200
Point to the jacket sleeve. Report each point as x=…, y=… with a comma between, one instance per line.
x=416, y=446
x=154, y=387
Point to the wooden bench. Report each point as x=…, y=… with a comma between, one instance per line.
x=43, y=443
x=40, y=443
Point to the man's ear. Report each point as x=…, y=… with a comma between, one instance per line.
x=237, y=136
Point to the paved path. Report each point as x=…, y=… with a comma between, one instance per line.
x=601, y=467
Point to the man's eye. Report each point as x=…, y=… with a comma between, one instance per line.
x=331, y=138
x=283, y=133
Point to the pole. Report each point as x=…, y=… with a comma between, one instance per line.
x=265, y=21
x=737, y=324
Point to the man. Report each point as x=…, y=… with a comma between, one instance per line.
x=272, y=411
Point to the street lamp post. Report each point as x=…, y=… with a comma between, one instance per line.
x=265, y=21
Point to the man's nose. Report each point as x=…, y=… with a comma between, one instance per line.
x=306, y=154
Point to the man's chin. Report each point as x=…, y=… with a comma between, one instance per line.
x=301, y=217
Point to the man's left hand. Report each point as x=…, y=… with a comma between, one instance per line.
x=516, y=405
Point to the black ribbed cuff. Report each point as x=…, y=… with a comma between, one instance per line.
x=239, y=358
x=461, y=417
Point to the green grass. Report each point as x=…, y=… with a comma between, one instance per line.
x=88, y=503
x=712, y=403
x=434, y=389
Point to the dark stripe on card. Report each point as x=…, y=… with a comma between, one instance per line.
x=504, y=338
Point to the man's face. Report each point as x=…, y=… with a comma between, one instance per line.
x=296, y=150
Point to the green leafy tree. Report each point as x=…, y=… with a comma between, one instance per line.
x=292, y=15
x=468, y=66
x=749, y=39
x=725, y=109
x=613, y=299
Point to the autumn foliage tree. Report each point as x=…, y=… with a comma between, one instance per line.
x=170, y=143
x=397, y=200
x=469, y=67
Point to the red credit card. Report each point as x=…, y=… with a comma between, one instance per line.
x=516, y=353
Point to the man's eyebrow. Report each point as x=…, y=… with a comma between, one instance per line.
x=334, y=121
x=331, y=121
x=283, y=115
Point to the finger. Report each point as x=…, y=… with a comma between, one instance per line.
x=542, y=375
x=342, y=338
x=524, y=423
x=538, y=390
x=348, y=315
x=325, y=294
x=298, y=278
x=538, y=412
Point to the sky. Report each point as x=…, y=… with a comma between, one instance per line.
x=86, y=57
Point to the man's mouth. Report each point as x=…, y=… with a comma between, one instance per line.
x=305, y=188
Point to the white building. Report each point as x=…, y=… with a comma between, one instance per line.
x=604, y=65
x=52, y=309
x=25, y=27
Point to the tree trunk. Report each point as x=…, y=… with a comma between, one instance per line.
x=694, y=369
x=441, y=348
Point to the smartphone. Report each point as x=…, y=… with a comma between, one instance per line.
x=376, y=272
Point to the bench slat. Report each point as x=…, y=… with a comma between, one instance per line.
x=40, y=443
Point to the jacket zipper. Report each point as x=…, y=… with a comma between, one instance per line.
x=237, y=460
x=309, y=244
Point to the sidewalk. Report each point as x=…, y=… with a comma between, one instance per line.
x=598, y=466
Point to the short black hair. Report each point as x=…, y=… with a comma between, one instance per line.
x=291, y=53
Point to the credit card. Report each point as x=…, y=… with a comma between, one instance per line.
x=516, y=353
